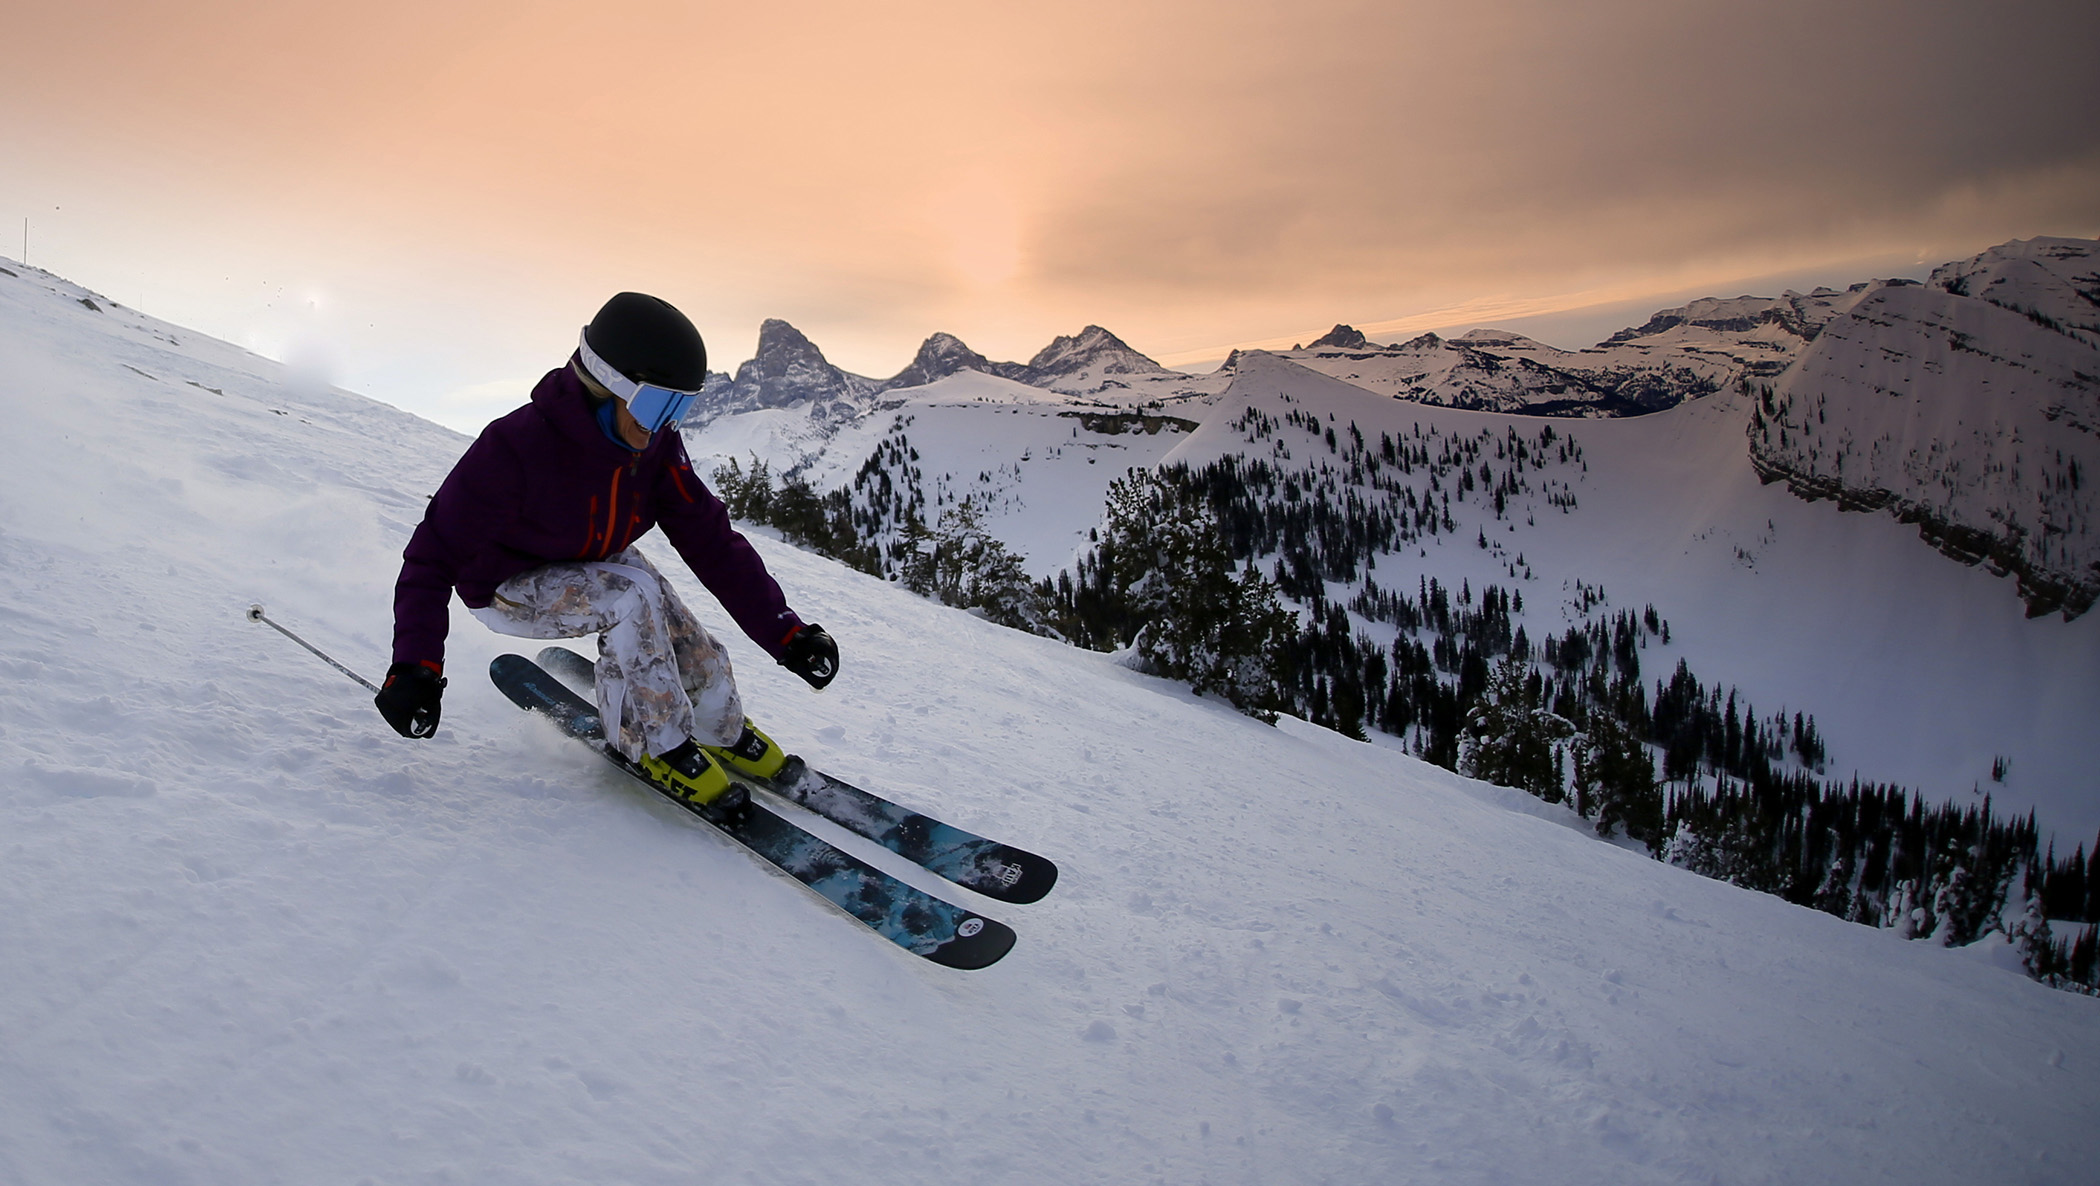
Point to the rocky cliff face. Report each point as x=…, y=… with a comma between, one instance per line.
x=787, y=370
x=1970, y=406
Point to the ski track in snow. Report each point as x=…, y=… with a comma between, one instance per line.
x=252, y=936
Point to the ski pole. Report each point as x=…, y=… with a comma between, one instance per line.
x=256, y=614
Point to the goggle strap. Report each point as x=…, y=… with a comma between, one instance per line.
x=604, y=372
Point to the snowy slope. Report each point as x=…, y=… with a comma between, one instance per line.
x=254, y=937
x=2054, y=281
x=1036, y=464
x=1972, y=415
x=1919, y=670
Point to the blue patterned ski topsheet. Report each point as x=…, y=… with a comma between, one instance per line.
x=907, y=916
x=989, y=867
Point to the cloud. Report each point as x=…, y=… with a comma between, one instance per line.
x=1518, y=143
x=1189, y=173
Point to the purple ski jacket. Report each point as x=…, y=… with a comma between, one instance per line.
x=544, y=484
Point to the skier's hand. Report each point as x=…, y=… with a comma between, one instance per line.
x=409, y=698
x=811, y=654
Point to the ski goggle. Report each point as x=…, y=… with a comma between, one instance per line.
x=653, y=407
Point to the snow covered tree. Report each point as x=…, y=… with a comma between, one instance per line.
x=962, y=564
x=1615, y=781
x=748, y=494
x=1172, y=591
x=1510, y=739
x=2030, y=937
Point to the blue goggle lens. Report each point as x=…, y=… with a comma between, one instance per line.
x=657, y=408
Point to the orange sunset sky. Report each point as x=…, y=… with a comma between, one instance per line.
x=423, y=201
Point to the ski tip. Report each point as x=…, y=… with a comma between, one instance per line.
x=1035, y=889
x=506, y=665
x=979, y=942
x=1038, y=876
x=568, y=666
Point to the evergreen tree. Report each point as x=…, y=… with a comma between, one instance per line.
x=963, y=565
x=1510, y=740
x=2092, y=883
x=748, y=494
x=1615, y=781
x=1171, y=591
x=2030, y=937
x=2083, y=964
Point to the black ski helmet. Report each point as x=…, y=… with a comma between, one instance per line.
x=648, y=340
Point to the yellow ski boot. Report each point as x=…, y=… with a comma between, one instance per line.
x=753, y=754
x=687, y=773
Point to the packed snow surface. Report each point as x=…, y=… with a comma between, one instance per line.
x=252, y=936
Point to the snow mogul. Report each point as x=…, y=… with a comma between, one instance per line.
x=535, y=529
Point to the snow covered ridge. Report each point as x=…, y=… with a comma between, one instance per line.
x=1969, y=406
x=1679, y=354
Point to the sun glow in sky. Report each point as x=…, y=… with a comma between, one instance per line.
x=426, y=199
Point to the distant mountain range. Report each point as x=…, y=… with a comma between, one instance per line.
x=789, y=371
x=1679, y=354
x=1967, y=405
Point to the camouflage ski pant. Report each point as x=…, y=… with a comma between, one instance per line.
x=661, y=675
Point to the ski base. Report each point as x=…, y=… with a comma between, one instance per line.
x=911, y=918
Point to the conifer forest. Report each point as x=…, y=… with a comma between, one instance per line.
x=1277, y=578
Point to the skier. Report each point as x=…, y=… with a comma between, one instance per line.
x=535, y=527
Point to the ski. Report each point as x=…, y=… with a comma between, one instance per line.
x=989, y=867
x=911, y=918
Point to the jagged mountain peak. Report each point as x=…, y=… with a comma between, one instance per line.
x=947, y=353
x=1068, y=354
x=944, y=354
x=779, y=341
x=788, y=369
x=1342, y=337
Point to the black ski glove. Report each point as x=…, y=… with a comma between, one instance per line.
x=409, y=698
x=811, y=654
